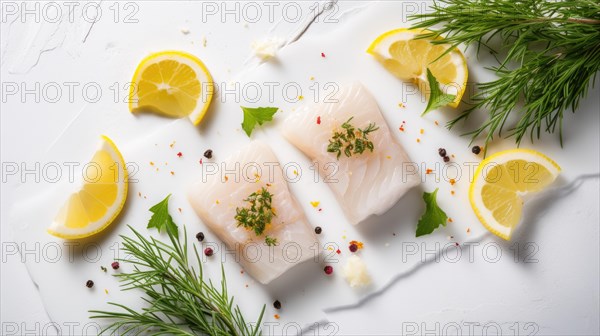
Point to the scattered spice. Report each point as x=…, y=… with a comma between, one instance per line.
x=338, y=251
x=115, y=265
x=300, y=97
x=323, y=55
x=200, y=236
x=446, y=159
x=359, y=245
x=450, y=220
x=103, y=269
x=476, y=150
x=277, y=304
x=180, y=154
x=319, y=120
x=89, y=284
x=208, y=153
x=315, y=204
x=328, y=270
x=200, y=162
x=421, y=131
x=208, y=252
x=106, y=291
x=312, y=78
x=428, y=171
x=179, y=210
x=468, y=230
x=139, y=194
x=353, y=248
x=452, y=181
x=172, y=144
x=452, y=192
x=436, y=123
x=442, y=152
x=151, y=163
x=276, y=316
x=418, y=140
x=172, y=173
x=401, y=128
x=318, y=230
x=401, y=105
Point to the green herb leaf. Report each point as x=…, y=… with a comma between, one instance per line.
x=161, y=219
x=258, y=213
x=433, y=216
x=270, y=241
x=352, y=141
x=437, y=98
x=256, y=115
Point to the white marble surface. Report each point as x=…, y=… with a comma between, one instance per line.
x=545, y=282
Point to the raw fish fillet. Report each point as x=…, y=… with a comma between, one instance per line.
x=367, y=183
x=215, y=199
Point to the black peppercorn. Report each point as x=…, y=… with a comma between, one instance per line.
x=208, y=153
x=318, y=230
x=200, y=236
x=277, y=304
x=89, y=284
x=446, y=159
x=476, y=150
x=442, y=152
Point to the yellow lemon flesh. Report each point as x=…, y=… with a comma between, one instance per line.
x=100, y=199
x=502, y=180
x=173, y=84
x=408, y=59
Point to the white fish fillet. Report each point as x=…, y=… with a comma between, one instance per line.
x=367, y=183
x=215, y=200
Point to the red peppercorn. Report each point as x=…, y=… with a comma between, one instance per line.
x=328, y=270
x=353, y=247
x=115, y=265
x=208, y=251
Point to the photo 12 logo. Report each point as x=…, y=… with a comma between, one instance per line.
x=69, y=11
x=269, y=11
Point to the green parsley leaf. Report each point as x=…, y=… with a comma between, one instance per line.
x=254, y=115
x=433, y=216
x=161, y=219
x=437, y=98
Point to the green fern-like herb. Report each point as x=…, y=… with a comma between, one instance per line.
x=549, y=54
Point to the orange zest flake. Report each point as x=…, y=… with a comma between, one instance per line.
x=452, y=181
x=315, y=204
x=172, y=173
x=436, y=123
x=421, y=131
x=357, y=243
x=418, y=140
x=468, y=230
x=401, y=128
x=151, y=163
x=452, y=192
x=450, y=220
x=276, y=316
x=226, y=178
x=428, y=171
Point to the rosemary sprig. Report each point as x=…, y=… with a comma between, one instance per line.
x=350, y=140
x=551, y=54
x=180, y=301
x=257, y=214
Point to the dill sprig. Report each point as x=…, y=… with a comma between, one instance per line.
x=550, y=54
x=180, y=301
x=258, y=214
x=350, y=140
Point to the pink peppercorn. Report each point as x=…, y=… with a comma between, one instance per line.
x=208, y=251
x=328, y=270
x=353, y=247
x=115, y=265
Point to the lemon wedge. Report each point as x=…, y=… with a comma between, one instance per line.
x=172, y=83
x=408, y=59
x=502, y=180
x=100, y=199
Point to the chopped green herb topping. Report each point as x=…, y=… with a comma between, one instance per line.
x=258, y=214
x=351, y=140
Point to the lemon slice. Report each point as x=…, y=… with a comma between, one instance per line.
x=99, y=201
x=408, y=59
x=500, y=183
x=173, y=84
